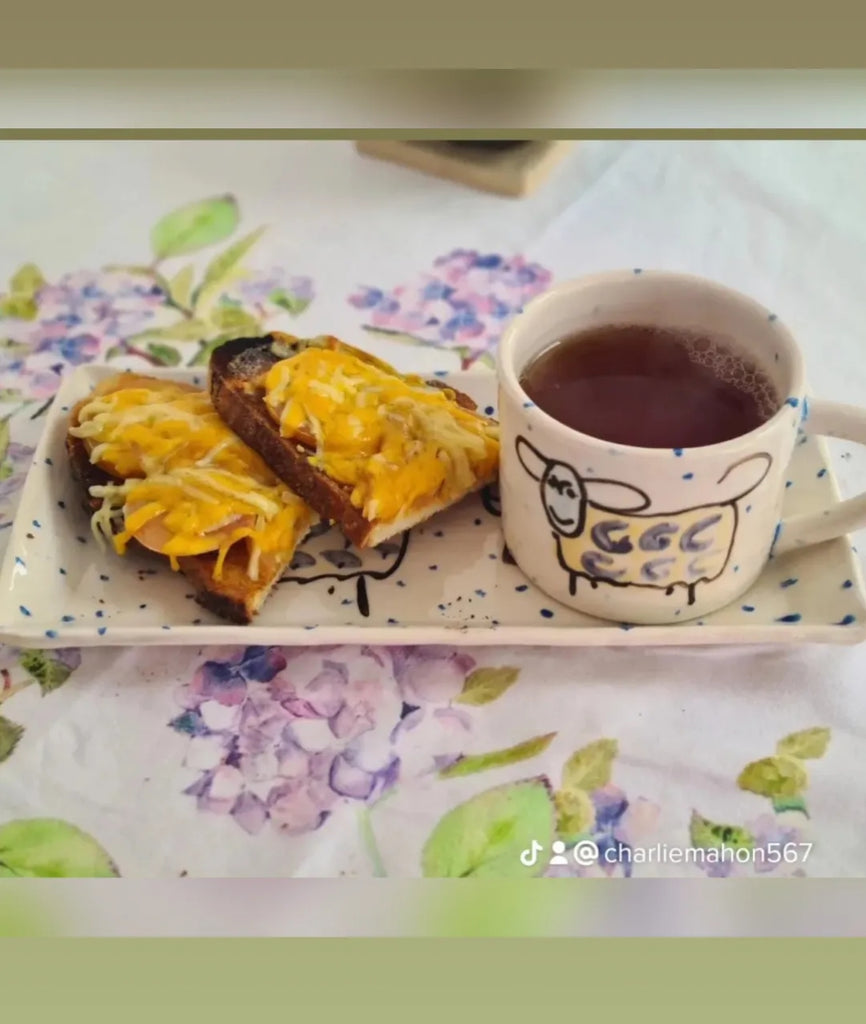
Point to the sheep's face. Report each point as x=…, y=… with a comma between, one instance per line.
x=563, y=495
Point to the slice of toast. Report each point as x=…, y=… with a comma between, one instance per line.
x=237, y=372
x=233, y=596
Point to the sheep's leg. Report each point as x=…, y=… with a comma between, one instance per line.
x=691, y=589
x=572, y=583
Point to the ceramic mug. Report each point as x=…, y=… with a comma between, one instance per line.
x=655, y=536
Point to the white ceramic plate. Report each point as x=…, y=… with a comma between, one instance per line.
x=446, y=582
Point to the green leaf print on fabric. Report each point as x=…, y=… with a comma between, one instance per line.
x=19, y=307
x=777, y=776
x=183, y=330
x=235, y=323
x=293, y=304
x=24, y=285
x=164, y=355
x=368, y=838
x=219, y=272
x=472, y=763
x=781, y=804
x=26, y=281
x=806, y=744
x=194, y=226
x=590, y=767
x=50, y=848
x=487, y=684
x=707, y=834
x=575, y=813
x=4, y=438
x=153, y=346
x=10, y=734
x=49, y=671
x=180, y=287
x=783, y=777
x=484, y=837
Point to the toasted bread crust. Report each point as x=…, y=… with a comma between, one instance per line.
x=234, y=366
x=234, y=596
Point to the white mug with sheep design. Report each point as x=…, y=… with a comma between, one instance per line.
x=647, y=535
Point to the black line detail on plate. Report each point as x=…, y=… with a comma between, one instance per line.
x=348, y=569
x=342, y=559
x=490, y=500
x=363, y=597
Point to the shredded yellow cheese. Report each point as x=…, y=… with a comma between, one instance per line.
x=400, y=444
x=189, y=485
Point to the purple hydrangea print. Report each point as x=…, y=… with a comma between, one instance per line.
x=284, y=737
x=167, y=312
x=77, y=319
x=430, y=674
x=462, y=304
x=270, y=292
x=93, y=316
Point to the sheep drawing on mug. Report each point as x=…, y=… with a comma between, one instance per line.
x=604, y=532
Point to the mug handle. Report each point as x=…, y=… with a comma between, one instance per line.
x=847, y=423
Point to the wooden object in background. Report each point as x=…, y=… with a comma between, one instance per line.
x=515, y=170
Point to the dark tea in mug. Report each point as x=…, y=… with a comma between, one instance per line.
x=650, y=387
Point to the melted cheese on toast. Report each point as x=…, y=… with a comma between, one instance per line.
x=401, y=445
x=186, y=484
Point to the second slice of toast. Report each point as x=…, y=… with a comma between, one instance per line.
x=238, y=371
x=232, y=594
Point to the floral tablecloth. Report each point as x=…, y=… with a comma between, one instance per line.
x=368, y=761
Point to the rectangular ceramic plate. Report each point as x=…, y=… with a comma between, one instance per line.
x=446, y=582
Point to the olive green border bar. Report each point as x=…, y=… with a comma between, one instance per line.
x=537, y=981
x=446, y=34
x=419, y=134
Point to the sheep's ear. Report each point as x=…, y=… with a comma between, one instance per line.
x=743, y=477
x=530, y=458
x=613, y=496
